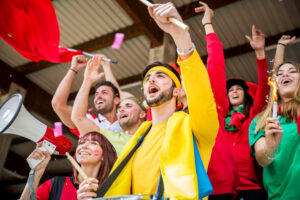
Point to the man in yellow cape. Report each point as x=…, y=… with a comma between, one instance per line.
x=169, y=147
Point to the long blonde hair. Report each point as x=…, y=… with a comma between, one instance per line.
x=290, y=109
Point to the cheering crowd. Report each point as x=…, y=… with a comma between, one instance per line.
x=208, y=136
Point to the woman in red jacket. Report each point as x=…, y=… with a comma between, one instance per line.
x=242, y=109
x=222, y=170
x=94, y=153
x=235, y=105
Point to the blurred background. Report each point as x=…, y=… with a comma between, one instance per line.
x=90, y=25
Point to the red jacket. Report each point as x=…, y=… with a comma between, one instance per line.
x=239, y=140
x=59, y=187
x=222, y=170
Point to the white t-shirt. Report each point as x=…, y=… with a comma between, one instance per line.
x=103, y=123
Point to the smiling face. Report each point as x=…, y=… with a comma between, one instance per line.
x=158, y=88
x=236, y=95
x=287, y=79
x=89, y=152
x=129, y=114
x=104, y=99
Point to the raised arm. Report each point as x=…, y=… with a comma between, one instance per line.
x=202, y=108
x=284, y=41
x=109, y=76
x=215, y=61
x=60, y=98
x=207, y=17
x=201, y=104
x=91, y=75
x=161, y=14
x=257, y=42
x=38, y=171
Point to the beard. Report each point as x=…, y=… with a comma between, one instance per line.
x=161, y=98
x=106, y=109
x=126, y=124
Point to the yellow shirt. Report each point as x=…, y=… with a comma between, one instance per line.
x=145, y=164
x=177, y=153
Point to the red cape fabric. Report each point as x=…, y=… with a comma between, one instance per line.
x=149, y=114
x=252, y=89
x=31, y=28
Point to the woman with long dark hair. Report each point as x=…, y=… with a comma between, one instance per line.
x=94, y=153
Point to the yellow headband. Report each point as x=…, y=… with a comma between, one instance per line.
x=166, y=71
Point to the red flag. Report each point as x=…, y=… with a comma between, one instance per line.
x=66, y=55
x=31, y=28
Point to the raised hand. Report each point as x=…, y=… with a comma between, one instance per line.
x=273, y=135
x=161, y=14
x=208, y=13
x=91, y=72
x=38, y=154
x=286, y=40
x=257, y=41
x=78, y=62
x=86, y=190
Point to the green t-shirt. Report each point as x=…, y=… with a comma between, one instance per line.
x=117, y=139
x=282, y=177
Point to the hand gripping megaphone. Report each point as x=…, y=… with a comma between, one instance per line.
x=15, y=119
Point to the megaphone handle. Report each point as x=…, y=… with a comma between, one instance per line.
x=46, y=146
x=33, y=162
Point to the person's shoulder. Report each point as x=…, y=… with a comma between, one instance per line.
x=58, y=183
x=254, y=121
x=58, y=179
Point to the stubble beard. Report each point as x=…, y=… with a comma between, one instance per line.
x=106, y=109
x=161, y=98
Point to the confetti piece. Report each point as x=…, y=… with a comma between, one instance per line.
x=57, y=129
x=9, y=35
x=90, y=109
x=10, y=75
x=118, y=40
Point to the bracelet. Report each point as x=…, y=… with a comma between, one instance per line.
x=73, y=71
x=271, y=158
x=188, y=51
x=281, y=44
x=206, y=24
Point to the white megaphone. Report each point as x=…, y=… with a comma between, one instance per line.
x=15, y=119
